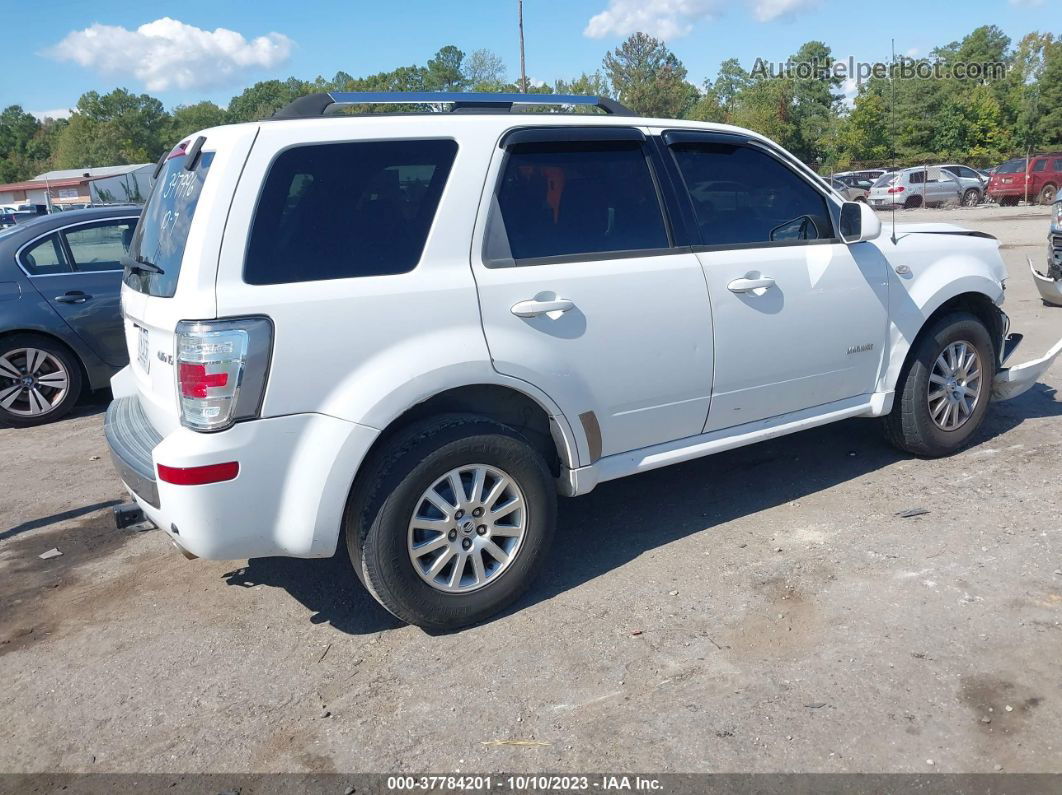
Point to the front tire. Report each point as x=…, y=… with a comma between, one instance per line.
x=40, y=380
x=971, y=198
x=1047, y=195
x=453, y=521
x=944, y=388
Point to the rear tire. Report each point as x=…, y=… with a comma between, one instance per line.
x=40, y=380
x=913, y=203
x=926, y=393
x=390, y=517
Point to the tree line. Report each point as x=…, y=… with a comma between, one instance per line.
x=980, y=120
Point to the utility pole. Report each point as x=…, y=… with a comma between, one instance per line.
x=523, y=65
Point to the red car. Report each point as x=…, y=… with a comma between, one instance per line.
x=1037, y=179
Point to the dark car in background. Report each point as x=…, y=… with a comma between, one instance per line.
x=60, y=322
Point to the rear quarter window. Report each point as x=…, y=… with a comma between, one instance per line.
x=346, y=210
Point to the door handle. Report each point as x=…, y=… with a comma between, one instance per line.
x=748, y=285
x=533, y=308
x=73, y=297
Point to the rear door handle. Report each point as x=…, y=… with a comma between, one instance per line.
x=748, y=285
x=73, y=297
x=533, y=308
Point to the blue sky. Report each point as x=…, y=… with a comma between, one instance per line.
x=54, y=50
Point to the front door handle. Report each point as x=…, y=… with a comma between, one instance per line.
x=73, y=297
x=533, y=308
x=748, y=285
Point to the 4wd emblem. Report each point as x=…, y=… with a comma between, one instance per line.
x=166, y=358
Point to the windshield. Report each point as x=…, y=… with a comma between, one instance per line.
x=160, y=237
x=1011, y=167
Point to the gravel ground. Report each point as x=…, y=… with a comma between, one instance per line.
x=766, y=609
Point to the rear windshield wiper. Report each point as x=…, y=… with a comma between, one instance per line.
x=141, y=265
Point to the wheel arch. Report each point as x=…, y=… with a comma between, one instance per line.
x=513, y=403
x=979, y=304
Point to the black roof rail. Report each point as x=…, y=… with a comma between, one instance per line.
x=313, y=105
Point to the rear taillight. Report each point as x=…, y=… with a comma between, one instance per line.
x=221, y=368
x=898, y=189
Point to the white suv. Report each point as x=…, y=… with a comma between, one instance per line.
x=409, y=332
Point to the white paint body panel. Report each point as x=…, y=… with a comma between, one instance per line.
x=786, y=347
x=636, y=349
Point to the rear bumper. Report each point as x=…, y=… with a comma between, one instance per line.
x=131, y=440
x=288, y=498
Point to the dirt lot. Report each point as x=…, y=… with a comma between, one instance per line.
x=760, y=610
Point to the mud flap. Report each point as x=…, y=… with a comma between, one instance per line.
x=1013, y=381
x=1050, y=289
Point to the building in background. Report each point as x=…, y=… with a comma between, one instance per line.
x=80, y=186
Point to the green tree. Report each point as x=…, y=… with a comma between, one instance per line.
x=445, y=72
x=17, y=131
x=766, y=106
x=731, y=80
x=113, y=129
x=816, y=100
x=1049, y=124
x=187, y=119
x=265, y=98
x=865, y=133
x=484, y=71
x=593, y=84
x=648, y=78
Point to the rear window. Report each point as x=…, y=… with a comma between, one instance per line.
x=338, y=211
x=581, y=199
x=884, y=179
x=162, y=233
x=1011, y=167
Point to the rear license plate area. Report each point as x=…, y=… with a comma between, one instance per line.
x=142, y=348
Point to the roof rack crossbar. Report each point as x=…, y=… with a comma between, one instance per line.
x=313, y=105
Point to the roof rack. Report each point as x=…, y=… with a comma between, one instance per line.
x=313, y=105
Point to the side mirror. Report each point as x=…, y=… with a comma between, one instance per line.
x=858, y=222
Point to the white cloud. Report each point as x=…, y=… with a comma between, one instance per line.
x=671, y=19
x=912, y=52
x=768, y=10
x=167, y=53
x=1027, y=3
x=664, y=19
x=57, y=113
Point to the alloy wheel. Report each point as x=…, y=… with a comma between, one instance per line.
x=33, y=382
x=954, y=385
x=467, y=528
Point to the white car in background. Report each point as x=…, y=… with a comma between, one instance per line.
x=408, y=333
x=921, y=186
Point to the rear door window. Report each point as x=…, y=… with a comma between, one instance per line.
x=578, y=199
x=339, y=211
x=1040, y=165
x=162, y=233
x=45, y=257
x=101, y=246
